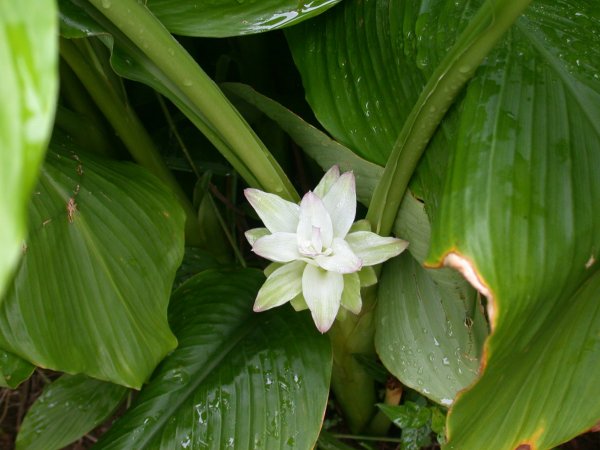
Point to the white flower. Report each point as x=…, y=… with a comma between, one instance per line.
x=321, y=259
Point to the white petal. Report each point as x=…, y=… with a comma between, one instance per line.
x=327, y=181
x=255, y=233
x=278, y=247
x=276, y=213
x=281, y=286
x=374, y=249
x=322, y=292
x=351, y=299
x=313, y=214
x=340, y=202
x=342, y=259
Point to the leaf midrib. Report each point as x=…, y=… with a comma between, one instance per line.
x=221, y=353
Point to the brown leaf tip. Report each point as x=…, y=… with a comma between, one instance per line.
x=466, y=268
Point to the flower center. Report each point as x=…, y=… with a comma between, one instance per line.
x=314, y=246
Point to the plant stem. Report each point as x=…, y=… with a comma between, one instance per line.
x=129, y=128
x=353, y=387
x=486, y=28
x=138, y=24
x=79, y=100
x=356, y=437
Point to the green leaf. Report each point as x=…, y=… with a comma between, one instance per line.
x=363, y=66
x=519, y=215
x=359, y=76
x=316, y=144
x=238, y=379
x=153, y=57
x=415, y=422
x=540, y=392
x=68, y=408
x=92, y=290
x=407, y=415
x=327, y=441
x=28, y=70
x=425, y=333
x=13, y=370
x=430, y=327
x=233, y=17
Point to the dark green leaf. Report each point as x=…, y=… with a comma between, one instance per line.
x=415, y=438
x=316, y=144
x=363, y=65
x=67, y=409
x=356, y=73
x=28, y=70
x=372, y=367
x=92, y=289
x=407, y=415
x=415, y=422
x=518, y=215
x=237, y=380
x=233, y=17
x=328, y=442
x=13, y=370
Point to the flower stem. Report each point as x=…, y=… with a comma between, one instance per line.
x=353, y=387
x=244, y=149
x=486, y=28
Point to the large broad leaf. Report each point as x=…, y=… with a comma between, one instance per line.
x=363, y=66
x=13, y=370
x=237, y=380
x=519, y=216
x=68, y=408
x=28, y=70
x=233, y=17
x=357, y=73
x=430, y=327
x=91, y=293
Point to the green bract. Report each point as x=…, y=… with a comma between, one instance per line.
x=321, y=257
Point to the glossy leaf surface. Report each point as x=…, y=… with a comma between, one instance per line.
x=518, y=201
x=430, y=326
x=28, y=70
x=91, y=292
x=68, y=408
x=425, y=334
x=363, y=66
x=13, y=370
x=357, y=73
x=519, y=207
x=237, y=380
x=233, y=17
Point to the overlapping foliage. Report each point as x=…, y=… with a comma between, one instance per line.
x=488, y=110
